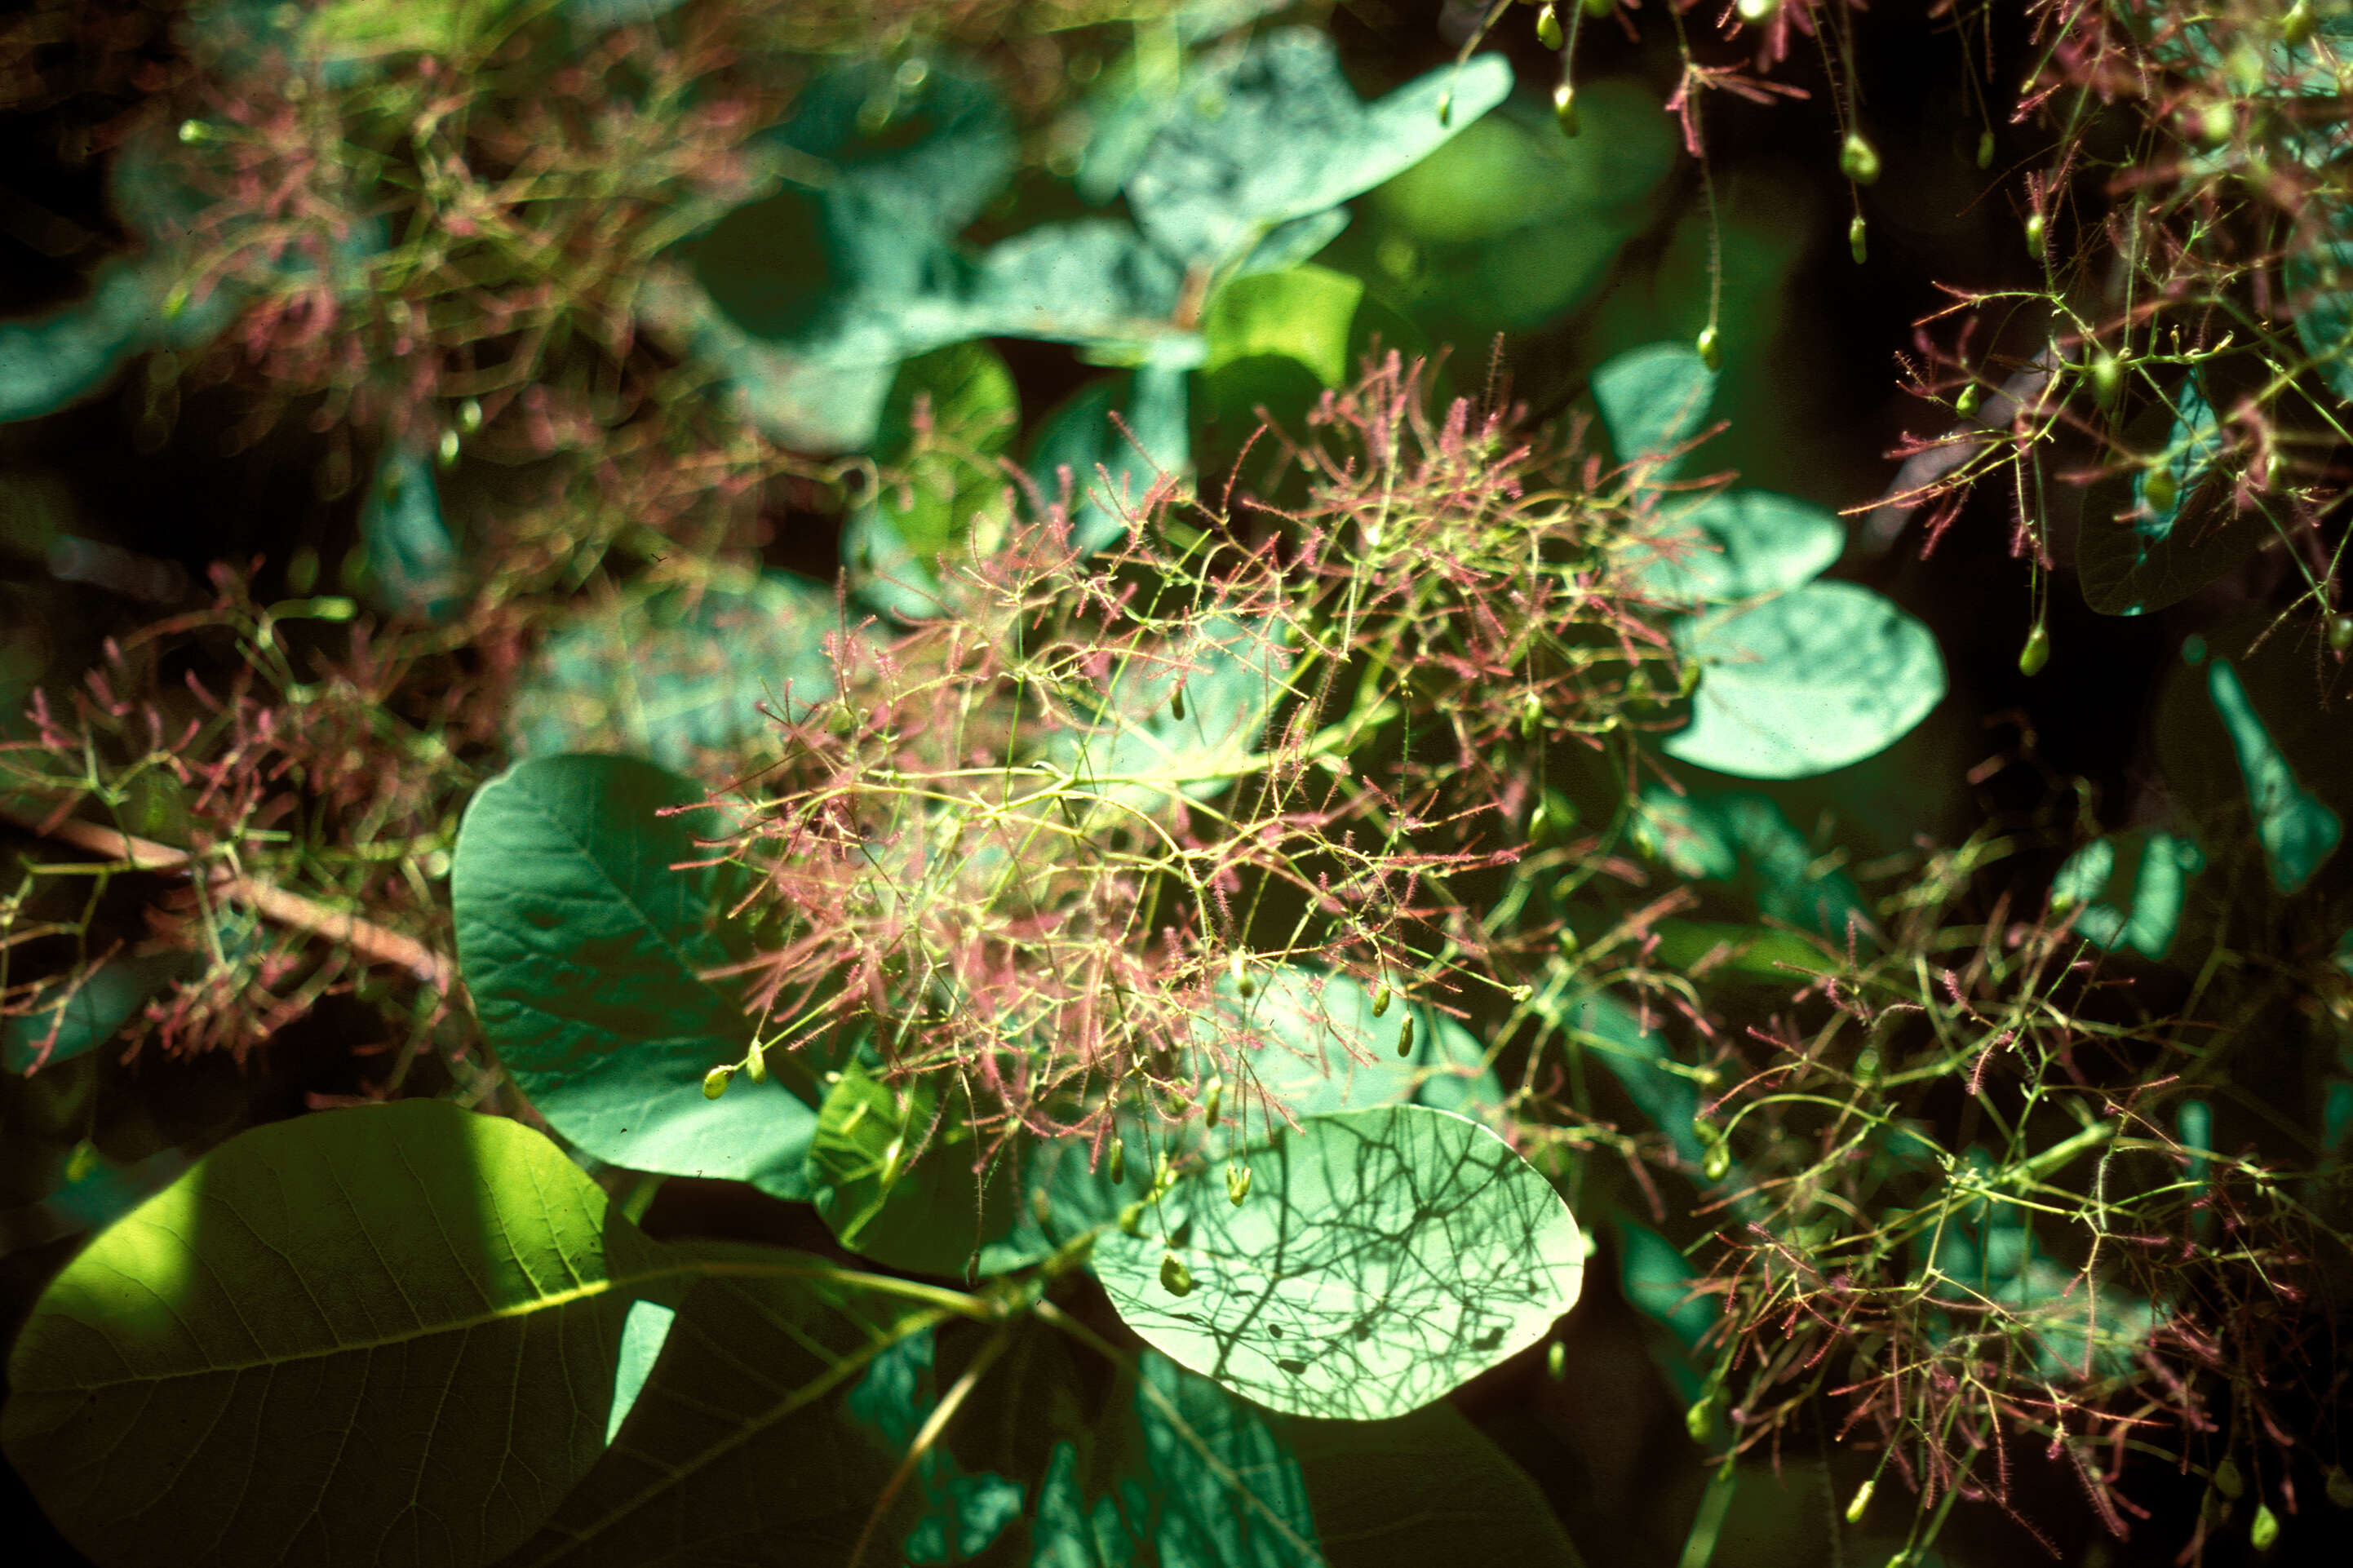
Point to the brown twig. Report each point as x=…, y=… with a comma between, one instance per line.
x=364, y=937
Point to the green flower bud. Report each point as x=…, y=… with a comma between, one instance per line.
x=755, y=1063
x=1967, y=403
x=1381, y=994
x=1756, y=12
x=1118, y=1164
x=2262, y=1530
x=470, y=415
x=1548, y=28
x=195, y=130
x=1556, y=1360
x=1445, y=117
x=1984, y=149
x=1718, y=1163
x=448, y=454
x=1213, y=1100
x=1405, y=1036
x=2295, y=27
x=1861, y=1500
x=2227, y=1479
x=1710, y=352
x=1700, y=1419
x=2340, y=633
x=714, y=1082
x=1176, y=703
x=1175, y=1277
x=1854, y=240
x=82, y=1162
x=1597, y=9
x=2034, y=231
x=1238, y=1184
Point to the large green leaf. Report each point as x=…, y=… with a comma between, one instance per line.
x=1743, y=839
x=1653, y=400
x=740, y=1448
x=1738, y=544
x=1114, y=463
x=365, y=1336
x=1813, y=680
x=679, y=675
x=2154, y=889
x=1381, y=1258
x=1423, y=1488
x=1275, y=134
x=1231, y=674
x=585, y=952
x=1193, y=1479
x=895, y=1178
x=2297, y=830
x=1309, y=1041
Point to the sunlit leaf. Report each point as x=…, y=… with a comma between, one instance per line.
x=895, y=1179
x=1140, y=748
x=353, y=1272
x=678, y=674
x=1652, y=401
x=2153, y=889
x=1383, y=1258
x=584, y=953
x=1743, y=839
x=1813, y=680
x=1276, y=133
x=1738, y=544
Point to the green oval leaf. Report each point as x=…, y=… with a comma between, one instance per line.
x=1653, y=400
x=895, y=1179
x=1813, y=680
x=328, y=1344
x=1739, y=544
x=2179, y=535
x=584, y=953
x=1383, y=1258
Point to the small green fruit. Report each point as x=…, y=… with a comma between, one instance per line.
x=1857, y=159
x=2159, y=489
x=1700, y=1419
x=2036, y=653
x=449, y=450
x=1381, y=999
x=1556, y=1360
x=1599, y=8
x=2227, y=1479
x=2340, y=1486
x=1563, y=107
x=1756, y=12
x=1130, y=1219
x=2262, y=1530
x=2340, y=633
x=82, y=1162
x=1710, y=351
x=1548, y=27
x=1861, y=1500
x=1213, y=1101
x=1985, y=149
x=1175, y=1277
x=2034, y=231
x=714, y=1082
x=755, y=1063
x=1118, y=1163
x=1966, y=404
x=470, y=415
x=1854, y=241
x=195, y=130
x=1405, y=1036
x=1718, y=1163
x=2107, y=378
x=1238, y=1184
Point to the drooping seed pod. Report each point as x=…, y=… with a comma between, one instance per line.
x=1984, y=149
x=1861, y=1500
x=1381, y=992
x=2227, y=1479
x=1118, y=1164
x=2262, y=1530
x=1238, y=1184
x=1854, y=240
x=2340, y=633
x=1966, y=404
x=2159, y=489
x=1718, y=1163
x=1213, y=1100
x=1176, y=703
x=1556, y=1360
x=755, y=1063
x=714, y=1082
x=1130, y=1219
x=1709, y=348
x=1564, y=109
x=2036, y=653
x=1405, y=1036
x=2034, y=233
x=1548, y=27
x=1175, y=1277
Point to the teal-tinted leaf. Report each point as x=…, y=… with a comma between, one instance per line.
x=1232, y=674
x=680, y=675
x=412, y=561
x=1089, y=281
x=2297, y=831
x=1384, y=1256
x=1638, y=1057
x=1816, y=679
x=1744, y=839
x=595, y=15
x=56, y=360
x=740, y=1449
x=2154, y=889
x=2320, y=282
x=1192, y=1478
x=1426, y=1487
x=1275, y=133
x=642, y=1335
x=355, y=1272
x=1657, y=1280
x=585, y=952
x=2076, y=1324
x=1112, y=470
x=935, y=151
x=1652, y=401
x=1738, y=544
x=2181, y=532
x=67, y=1027
x=957, y=1514
x=895, y=1179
